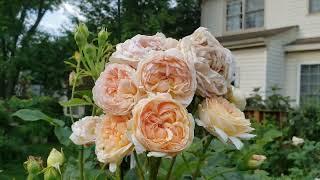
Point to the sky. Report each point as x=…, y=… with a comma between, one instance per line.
x=56, y=20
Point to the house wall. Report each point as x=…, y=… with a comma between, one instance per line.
x=276, y=58
x=278, y=13
x=281, y=13
x=252, y=65
x=212, y=16
x=292, y=70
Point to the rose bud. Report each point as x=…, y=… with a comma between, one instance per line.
x=33, y=165
x=51, y=174
x=102, y=36
x=55, y=158
x=297, y=141
x=236, y=97
x=255, y=161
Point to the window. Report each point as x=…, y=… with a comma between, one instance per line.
x=310, y=83
x=314, y=6
x=244, y=14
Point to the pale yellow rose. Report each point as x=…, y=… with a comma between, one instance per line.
x=214, y=64
x=83, y=131
x=115, y=91
x=236, y=97
x=112, y=143
x=224, y=120
x=297, y=141
x=137, y=48
x=168, y=72
x=161, y=126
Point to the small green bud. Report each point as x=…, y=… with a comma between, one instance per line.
x=90, y=52
x=55, y=158
x=33, y=177
x=33, y=165
x=51, y=174
x=81, y=35
x=102, y=36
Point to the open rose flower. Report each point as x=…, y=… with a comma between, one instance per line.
x=115, y=91
x=214, y=63
x=161, y=126
x=84, y=130
x=137, y=48
x=112, y=143
x=224, y=120
x=168, y=72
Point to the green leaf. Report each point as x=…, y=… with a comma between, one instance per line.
x=75, y=102
x=36, y=115
x=63, y=134
x=30, y=115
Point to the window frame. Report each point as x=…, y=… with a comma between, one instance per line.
x=243, y=29
x=309, y=9
x=298, y=88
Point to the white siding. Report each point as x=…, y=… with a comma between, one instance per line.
x=293, y=62
x=276, y=58
x=280, y=13
x=212, y=13
x=252, y=65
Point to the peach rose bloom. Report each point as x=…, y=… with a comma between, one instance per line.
x=168, y=72
x=161, y=126
x=214, y=64
x=137, y=48
x=112, y=143
x=224, y=120
x=114, y=91
x=84, y=130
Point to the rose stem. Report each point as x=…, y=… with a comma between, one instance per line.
x=171, y=167
x=202, y=157
x=81, y=163
x=154, y=164
x=140, y=172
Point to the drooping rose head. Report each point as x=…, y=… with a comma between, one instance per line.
x=114, y=91
x=168, y=72
x=214, y=63
x=137, y=48
x=112, y=143
x=84, y=130
x=160, y=125
x=224, y=120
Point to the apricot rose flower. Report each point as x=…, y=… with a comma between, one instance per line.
x=83, y=131
x=168, y=72
x=112, y=143
x=224, y=120
x=161, y=126
x=137, y=48
x=214, y=63
x=115, y=91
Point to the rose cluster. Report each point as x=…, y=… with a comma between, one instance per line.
x=145, y=89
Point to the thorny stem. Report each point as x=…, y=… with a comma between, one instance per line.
x=171, y=167
x=74, y=86
x=202, y=157
x=140, y=172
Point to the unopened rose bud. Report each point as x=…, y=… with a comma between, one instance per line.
x=102, y=36
x=297, y=141
x=72, y=77
x=55, y=158
x=256, y=160
x=236, y=97
x=33, y=165
x=90, y=51
x=77, y=56
x=51, y=174
x=81, y=35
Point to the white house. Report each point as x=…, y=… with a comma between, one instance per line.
x=276, y=42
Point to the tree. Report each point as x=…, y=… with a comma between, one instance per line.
x=18, y=25
x=174, y=18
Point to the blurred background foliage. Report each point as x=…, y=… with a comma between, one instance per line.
x=33, y=76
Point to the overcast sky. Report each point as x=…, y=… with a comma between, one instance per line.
x=56, y=20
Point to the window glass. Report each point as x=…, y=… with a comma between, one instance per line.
x=310, y=84
x=234, y=15
x=254, y=13
x=314, y=6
